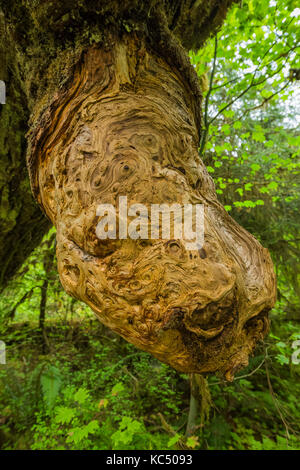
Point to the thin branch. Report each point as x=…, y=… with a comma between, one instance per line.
x=276, y=402
x=210, y=83
x=264, y=101
x=21, y=301
x=252, y=82
x=243, y=376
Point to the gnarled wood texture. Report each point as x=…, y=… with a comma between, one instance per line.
x=40, y=41
x=128, y=125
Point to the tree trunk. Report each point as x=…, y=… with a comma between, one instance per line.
x=39, y=44
x=200, y=403
x=127, y=125
x=43, y=304
x=48, y=262
x=22, y=225
x=126, y=122
x=194, y=408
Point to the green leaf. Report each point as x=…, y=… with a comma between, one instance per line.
x=249, y=203
x=228, y=113
x=173, y=440
x=192, y=441
x=246, y=135
x=81, y=395
x=225, y=129
x=50, y=383
x=266, y=93
x=255, y=167
x=258, y=136
x=92, y=426
x=119, y=387
x=272, y=185
x=282, y=359
x=237, y=125
x=64, y=415
x=78, y=434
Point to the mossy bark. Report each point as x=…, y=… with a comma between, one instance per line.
x=22, y=224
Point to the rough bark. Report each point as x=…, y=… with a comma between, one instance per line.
x=40, y=42
x=115, y=109
x=127, y=125
x=22, y=224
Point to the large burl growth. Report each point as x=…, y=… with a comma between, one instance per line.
x=127, y=124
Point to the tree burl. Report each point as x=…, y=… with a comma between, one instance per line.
x=126, y=121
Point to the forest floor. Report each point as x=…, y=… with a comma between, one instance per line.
x=77, y=385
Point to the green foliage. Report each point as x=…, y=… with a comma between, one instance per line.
x=51, y=383
x=111, y=396
x=129, y=429
x=250, y=139
x=97, y=393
